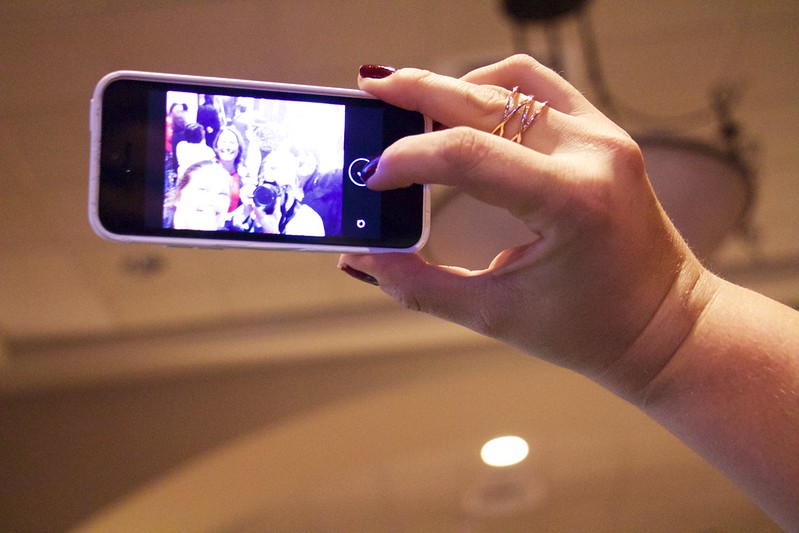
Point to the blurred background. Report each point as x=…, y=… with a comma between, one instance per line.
x=149, y=389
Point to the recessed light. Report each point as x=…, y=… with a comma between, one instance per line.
x=504, y=451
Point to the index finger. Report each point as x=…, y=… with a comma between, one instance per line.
x=447, y=100
x=477, y=100
x=484, y=166
x=535, y=78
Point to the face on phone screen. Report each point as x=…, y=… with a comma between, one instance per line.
x=258, y=165
x=251, y=166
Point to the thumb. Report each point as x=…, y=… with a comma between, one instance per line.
x=451, y=293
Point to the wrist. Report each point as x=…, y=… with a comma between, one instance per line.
x=634, y=373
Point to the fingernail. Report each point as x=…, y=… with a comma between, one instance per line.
x=360, y=276
x=369, y=169
x=376, y=72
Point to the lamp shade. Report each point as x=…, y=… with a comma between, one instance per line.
x=705, y=192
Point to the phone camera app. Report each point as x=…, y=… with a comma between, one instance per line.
x=355, y=171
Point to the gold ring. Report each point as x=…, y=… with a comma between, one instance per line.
x=512, y=106
x=513, y=99
x=526, y=123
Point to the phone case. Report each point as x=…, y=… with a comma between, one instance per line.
x=96, y=118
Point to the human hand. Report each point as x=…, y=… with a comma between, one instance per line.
x=246, y=193
x=269, y=221
x=603, y=260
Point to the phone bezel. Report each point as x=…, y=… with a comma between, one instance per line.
x=218, y=239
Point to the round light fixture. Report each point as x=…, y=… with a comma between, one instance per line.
x=706, y=192
x=504, y=451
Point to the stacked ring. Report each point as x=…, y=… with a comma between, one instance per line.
x=530, y=112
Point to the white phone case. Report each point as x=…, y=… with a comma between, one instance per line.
x=95, y=122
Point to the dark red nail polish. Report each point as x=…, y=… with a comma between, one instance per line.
x=369, y=169
x=376, y=72
x=360, y=276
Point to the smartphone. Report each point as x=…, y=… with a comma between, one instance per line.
x=211, y=162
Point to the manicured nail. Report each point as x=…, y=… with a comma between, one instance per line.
x=376, y=72
x=369, y=169
x=360, y=276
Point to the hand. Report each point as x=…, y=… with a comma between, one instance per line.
x=603, y=258
x=605, y=286
x=269, y=222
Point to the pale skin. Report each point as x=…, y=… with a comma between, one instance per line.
x=606, y=286
x=202, y=203
x=280, y=167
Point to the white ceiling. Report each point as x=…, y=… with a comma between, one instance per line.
x=243, y=391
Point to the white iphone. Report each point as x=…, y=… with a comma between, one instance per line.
x=211, y=162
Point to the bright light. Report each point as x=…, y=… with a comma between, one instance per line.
x=504, y=451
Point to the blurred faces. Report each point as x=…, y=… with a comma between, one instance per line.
x=281, y=167
x=178, y=113
x=307, y=166
x=203, y=200
x=227, y=146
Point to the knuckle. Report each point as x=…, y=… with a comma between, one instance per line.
x=617, y=165
x=407, y=298
x=425, y=79
x=463, y=148
x=483, y=100
x=489, y=316
x=625, y=154
x=523, y=64
x=523, y=61
x=484, y=322
x=410, y=301
x=409, y=295
x=413, y=83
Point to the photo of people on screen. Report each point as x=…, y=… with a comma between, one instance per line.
x=278, y=162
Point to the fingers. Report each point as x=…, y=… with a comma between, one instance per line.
x=448, y=292
x=479, y=93
x=483, y=105
x=447, y=100
x=533, y=78
x=453, y=102
x=485, y=166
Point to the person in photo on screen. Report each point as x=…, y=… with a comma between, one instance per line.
x=229, y=149
x=201, y=197
x=274, y=205
x=193, y=149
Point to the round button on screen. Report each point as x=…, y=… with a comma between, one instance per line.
x=355, y=169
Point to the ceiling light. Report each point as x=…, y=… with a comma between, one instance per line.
x=504, y=451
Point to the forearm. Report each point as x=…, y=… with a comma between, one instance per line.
x=731, y=390
x=605, y=286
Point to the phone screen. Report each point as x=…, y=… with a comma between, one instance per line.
x=243, y=165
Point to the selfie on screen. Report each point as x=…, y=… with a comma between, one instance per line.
x=254, y=165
